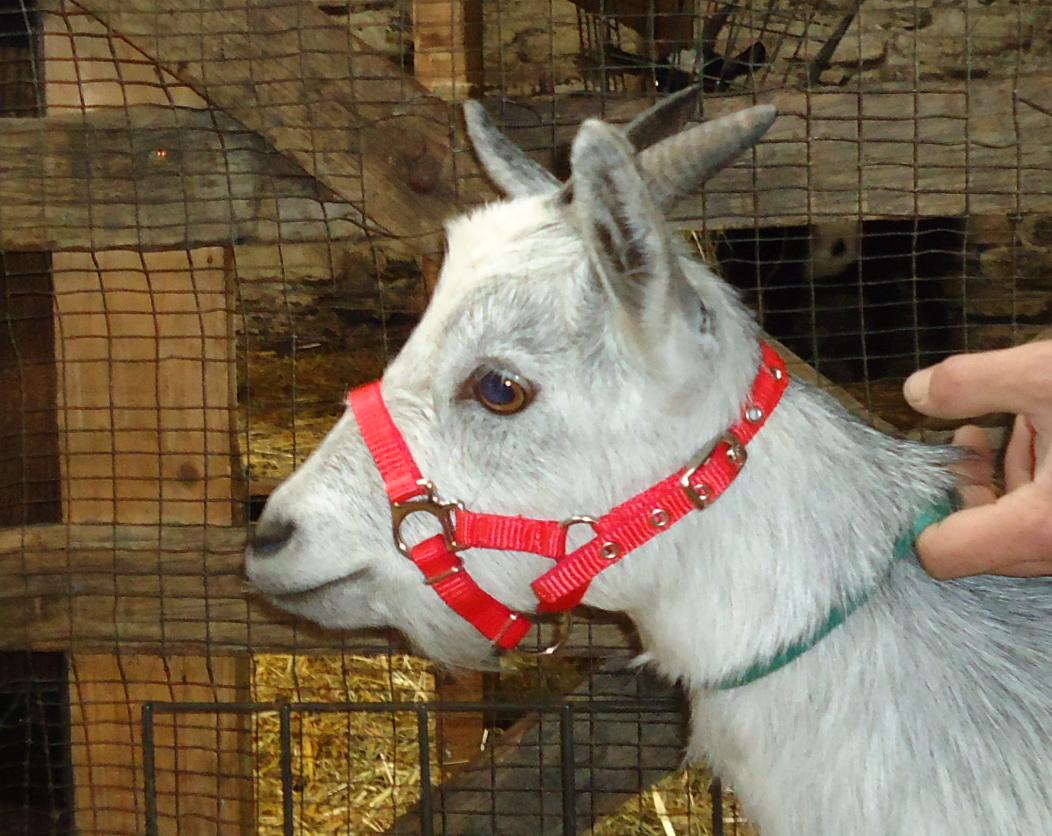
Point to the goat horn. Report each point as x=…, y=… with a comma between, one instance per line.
x=515, y=173
x=678, y=165
x=663, y=119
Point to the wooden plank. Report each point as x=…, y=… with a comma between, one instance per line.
x=351, y=119
x=945, y=149
x=669, y=23
x=146, y=386
x=459, y=734
x=171, y=589
x=202, y=783
x=447, y=46
x=153, y=177
x=512, y=788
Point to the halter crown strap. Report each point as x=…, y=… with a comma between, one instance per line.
x=648, y=514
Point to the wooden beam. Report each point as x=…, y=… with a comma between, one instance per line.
x=152, y=177
x=353, y=120
x=668, y=22
x=510, y=789
x=944, y=150
x=447, y=46
x=171, y=589
x=947, y=149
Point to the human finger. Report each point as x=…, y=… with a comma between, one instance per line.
x=973, y=495
x=977, y=465
x=968, y=385
x=1014, y=531
x=1019, y=455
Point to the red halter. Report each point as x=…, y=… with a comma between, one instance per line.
x=617, y=533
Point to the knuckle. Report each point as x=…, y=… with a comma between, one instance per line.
x=948, y=379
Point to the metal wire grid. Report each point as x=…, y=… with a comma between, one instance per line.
x=109, y=291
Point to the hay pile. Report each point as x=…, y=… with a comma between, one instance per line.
x=678, y=805
x=354, y=773
x=287, y=403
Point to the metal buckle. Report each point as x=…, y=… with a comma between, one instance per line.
x=428, y=504
x=701, y=494
x=570, y=522
x=560, y=633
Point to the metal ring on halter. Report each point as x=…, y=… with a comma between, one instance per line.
x=428, y=504
x=560, y=634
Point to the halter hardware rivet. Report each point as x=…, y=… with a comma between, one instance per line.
x=736, y=454
x=450, y=572
x=754, y=414
x=659, y=518
x=777, y=373
x=611, y=550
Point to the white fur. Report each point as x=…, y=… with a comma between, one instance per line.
x=928, y=712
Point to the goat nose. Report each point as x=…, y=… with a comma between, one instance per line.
x=271, y=536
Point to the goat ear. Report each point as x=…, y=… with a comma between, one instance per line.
x=680, y=164
x=508, y=166
x=622, y=227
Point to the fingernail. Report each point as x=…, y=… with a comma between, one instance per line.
x=916, y=387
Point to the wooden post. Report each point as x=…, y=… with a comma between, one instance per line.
x=146, y=411
x=146, y=431
x=447, y=46
x=460, y=735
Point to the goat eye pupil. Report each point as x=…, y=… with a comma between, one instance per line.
x=502, y=393
x=497, y=389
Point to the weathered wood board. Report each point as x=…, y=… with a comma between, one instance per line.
x=146, y=410
x=447, y=40
x=202, y=761
x=513, y=787
x=354, y=121
x=146, y=388
x=943, y=149
x=171, y=589
x=152, y=177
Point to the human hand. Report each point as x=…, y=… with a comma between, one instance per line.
x=1010, y=533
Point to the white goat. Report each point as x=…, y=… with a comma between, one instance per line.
x=928, y=711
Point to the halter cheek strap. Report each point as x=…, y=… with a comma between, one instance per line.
x=617, y=533
x=410, y=493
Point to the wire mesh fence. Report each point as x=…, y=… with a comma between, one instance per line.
x=215, y=216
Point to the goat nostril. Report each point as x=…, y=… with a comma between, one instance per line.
x=271, y=536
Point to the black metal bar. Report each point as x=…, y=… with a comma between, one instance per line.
x=149, y=768
x=427, y=820
x=566, y=762
x=541, y=706
x=288, y=809
x=716, y=797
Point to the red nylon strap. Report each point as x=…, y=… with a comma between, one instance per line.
x=443, y=571
x=390, y=452
x=636, y=521
x=624, y=529
x=493, y=531
x=445, y=574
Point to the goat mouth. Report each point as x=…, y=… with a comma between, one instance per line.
x=304, y=594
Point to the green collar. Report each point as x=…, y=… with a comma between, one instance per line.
x=837, y=616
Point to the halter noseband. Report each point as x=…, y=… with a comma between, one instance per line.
x=618, y=533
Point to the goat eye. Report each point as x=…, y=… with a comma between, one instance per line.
x=502, y=392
